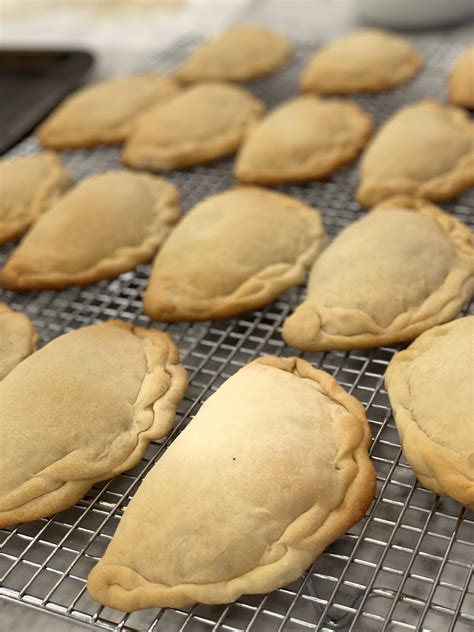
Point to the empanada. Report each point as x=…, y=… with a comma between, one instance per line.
x=431, y=389
x=17, y=339
x=461, y=80
x=426, y=149
x=366, y=61
x=106, y=225
x=403, y=268
x=303, y=139
x=81, y=410
x=201, y=124
x=241, y=53
x=273, y=468
x=29, y=185
x=233, y=252
x=104, y=112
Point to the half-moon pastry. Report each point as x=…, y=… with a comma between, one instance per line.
x=306, y=138
x=103, y=113
x=106, y=225
x=366, y=61
x=403, y=268
x=233, y=252
x=273, y=468
x=239, y=54
x=29, y=185
x=81, y=410
x=461, y=80
x=431, y=389
x=426, y=150
x=201, y=124
x=17, y=338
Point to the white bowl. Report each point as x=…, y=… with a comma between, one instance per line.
x=414, y=13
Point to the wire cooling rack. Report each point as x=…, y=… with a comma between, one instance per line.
x=406, y=566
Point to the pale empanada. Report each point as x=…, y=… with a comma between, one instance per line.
x=367, y=61
x=303, y=139
x=106, y=225
x=403, y=268
x=29, y=185
x=17, y=339
x=81, y=410
x=201, y=124
x=239, y=54
x=461, y=80
x=431, y=389
x=426, y=149
x=103, y=113
x=235, y=251
x=273, y=468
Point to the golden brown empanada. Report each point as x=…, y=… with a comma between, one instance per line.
x=104, y=112
x=426, y=149
x=461, y=80
x=106, y=225
x=273, y=468
x=403, y=268
x=29, y=185
x=303, y=139
x=17, y=339
x=239, y=54
x=366, y=61
x=431, y=389
x=201, y=124
x=233, y=252
x=81, y=410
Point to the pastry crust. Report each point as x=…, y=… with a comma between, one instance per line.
x=201, y=124
x=29, y=185
x=86, y=407
x=237, y=251
x=241, y=53
x=461, y=80
x=104, y=112
x=279, y=470
x=430, y=386
x=18, y=339
x=366, y=61
x=404, y=268
x=425, y=150
x=306, y=138
x=106, y=225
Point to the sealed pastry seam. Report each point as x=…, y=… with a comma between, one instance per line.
x=456, y=289
x=160, y=358
x=296, y=539
x=441, y=468
x=249, y=295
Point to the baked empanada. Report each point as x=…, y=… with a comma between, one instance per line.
x=106, y=225
x=366, y=61
x=104, y=112
x=303, y=139
x=81, y=410
x=233, y=252
x=426, y=150
x=431, y=389
x=201, y=124
x=241, y=53
x=17, y=339
x=29, y=185
x=461, y=80
x=273, y=468
x=403, y=268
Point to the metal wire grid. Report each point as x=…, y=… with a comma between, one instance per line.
x=406, y=566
